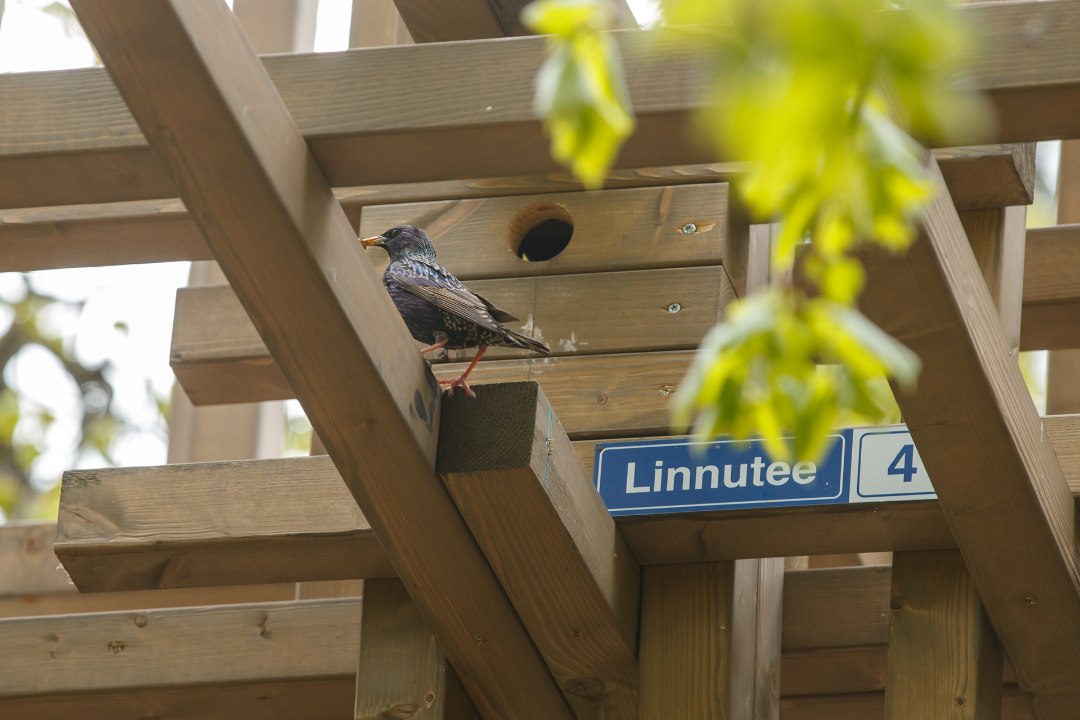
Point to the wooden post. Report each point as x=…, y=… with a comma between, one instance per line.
x=944, y=658
x=1063, y=366
x=402, y=671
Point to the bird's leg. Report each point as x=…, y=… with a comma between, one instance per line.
x=437, y=346
x=460, y=381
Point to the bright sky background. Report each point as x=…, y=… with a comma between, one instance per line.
x=139, y=296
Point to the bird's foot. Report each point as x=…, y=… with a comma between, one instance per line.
x=458, y=382
x=432, y=348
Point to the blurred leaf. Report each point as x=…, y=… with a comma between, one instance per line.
x=580, y=89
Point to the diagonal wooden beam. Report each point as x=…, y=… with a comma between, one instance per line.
x=998, y=481
x=375, y=116
x=226, y=140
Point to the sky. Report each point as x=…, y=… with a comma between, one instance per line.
x=128, y=311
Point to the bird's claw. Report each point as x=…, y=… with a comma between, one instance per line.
x=456, y=383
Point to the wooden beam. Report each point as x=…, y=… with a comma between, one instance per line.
x=944, y=659
x=513, y=473
x=278, y=26
x=143, y=231
x=474, y=19
x=124, y=547
x=155, y=656
x=289, y=252
x=402, y=673
x=379, y=129
x=375, y=23
x=975, y=426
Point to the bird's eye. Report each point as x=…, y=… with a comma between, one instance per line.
x=394, y=233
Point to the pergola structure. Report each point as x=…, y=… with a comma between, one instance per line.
x=496, y=584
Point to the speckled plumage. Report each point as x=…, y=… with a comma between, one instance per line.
x=434, y=304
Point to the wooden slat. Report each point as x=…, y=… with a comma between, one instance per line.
x=989, y=176
x=513, y=473
x=144, y=231
x=836, y=607
x=280, y=237
x=370, y=115
x=1051, y=289
x=976, y=427
x=402, y=673
x=27, y=563
x=998, y=240
x=105, y=554
x=629, y=229
x=472, y=19
x=375, y=23
x=218, y=356
x=167, y=542
x=278, y=26
x=176, y=647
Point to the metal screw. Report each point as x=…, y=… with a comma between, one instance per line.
x=667, y=390
x=674, y=308
x=688, y=229
x=1031, y=600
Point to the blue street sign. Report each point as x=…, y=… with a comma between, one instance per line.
x=648, y=477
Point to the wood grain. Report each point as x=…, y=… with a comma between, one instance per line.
x=574, y=314
x=697, y=633
x=172, y=647
x=402, y=673
x=469, y=19
x=281, y=238
x=976, y=427
x=336, y=545
x=628, y=229
x=1051, y=289
x=836, y=607
x=944, y=659
x=367, y=113
x=513, y=473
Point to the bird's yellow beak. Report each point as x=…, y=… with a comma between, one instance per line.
x=376, y=240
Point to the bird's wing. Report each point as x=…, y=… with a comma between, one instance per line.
x=438, y=287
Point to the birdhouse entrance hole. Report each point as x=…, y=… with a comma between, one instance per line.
x=541, y=231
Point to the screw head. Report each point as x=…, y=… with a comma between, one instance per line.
x=688, y=229
x=667, y=390
x=674, y=308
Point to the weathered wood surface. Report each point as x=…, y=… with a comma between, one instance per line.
x=402, y=673
x=697, y=640
x=380, y=127
x=471, y=19
x=213, y=524
x=976, y=427
x=589, y=314
x=517, y=481
x=48, y=656
x=1051, y=289
x=630, y=229
x=944, y=659
x=120, y=546
x=288, y=250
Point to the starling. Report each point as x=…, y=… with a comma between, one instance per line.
x=437, y=307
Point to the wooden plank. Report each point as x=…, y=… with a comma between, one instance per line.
x=1052, y=289
x=975, y=425
x=472, y=19
x=989, y=176
x=212, y=524
x=944, y=659
x=123, y=548
x=696, y=631
x=630, y=229
x=997, y=238
x=367, y=113
x=513, y=473
x=402, y=673
x=219, y=357
x=289, y=252
x=836, y=607
x=278, y=26
x=173, y=647
x=27, y=563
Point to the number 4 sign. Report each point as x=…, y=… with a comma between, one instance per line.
x=888, y=466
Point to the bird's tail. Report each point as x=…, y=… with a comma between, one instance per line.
x=528, y=343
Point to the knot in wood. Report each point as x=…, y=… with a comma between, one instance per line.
x=403, y=711
x=587, y=687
